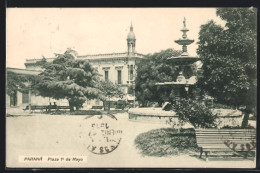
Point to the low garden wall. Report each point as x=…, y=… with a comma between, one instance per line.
x=152, y=115
x=226, y=117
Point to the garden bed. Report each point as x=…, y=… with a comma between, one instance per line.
x=167, y=141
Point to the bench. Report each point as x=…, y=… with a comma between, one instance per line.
x=42, y=108
x=35, y=107
x=223, y=140
x=97, y=107
x=62, y=107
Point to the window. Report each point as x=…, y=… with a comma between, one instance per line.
x=106, y=75
x=119, y=76
x=131, y=72
x=97, y=102
x=25, y=98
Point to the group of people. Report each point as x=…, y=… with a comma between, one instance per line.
x=50, y=106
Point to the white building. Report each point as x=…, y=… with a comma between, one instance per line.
x=119, y=68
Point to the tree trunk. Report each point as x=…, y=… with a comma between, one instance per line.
x=109, y=104
x=160, y=103
x=145, y=103
x=104, y=105
x=245, y=119
x=71, y=105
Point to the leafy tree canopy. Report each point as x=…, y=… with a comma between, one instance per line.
x=67, y=78
x=155, y=68
x=229, y=57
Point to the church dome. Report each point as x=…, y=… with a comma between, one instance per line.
x=131, y=34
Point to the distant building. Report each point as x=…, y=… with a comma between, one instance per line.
x=119, y=68
x=22, y=99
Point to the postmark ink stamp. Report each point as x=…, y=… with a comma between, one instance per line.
x=238, y=147
x=102, y=134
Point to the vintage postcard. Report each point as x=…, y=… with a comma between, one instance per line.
x=131, y=87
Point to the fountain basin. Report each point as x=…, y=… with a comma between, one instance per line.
x=225, y=117
x=184, y=41
x=152, y=115
x=184, y=59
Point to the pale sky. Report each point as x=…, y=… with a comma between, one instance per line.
x=33, y=32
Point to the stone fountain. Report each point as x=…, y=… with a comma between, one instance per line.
x=186, y=78
x=185, y=63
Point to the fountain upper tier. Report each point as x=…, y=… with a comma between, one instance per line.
x=184, y=41
x=183, y=61
x=184, y=58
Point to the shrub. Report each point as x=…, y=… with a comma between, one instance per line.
x=194, y=112
x=238, y=127
x=166, y=141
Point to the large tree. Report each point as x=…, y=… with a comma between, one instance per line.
x=229, y=58
x=155, y=68
x=71, y=79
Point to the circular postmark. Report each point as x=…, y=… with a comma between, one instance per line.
x=102, y=133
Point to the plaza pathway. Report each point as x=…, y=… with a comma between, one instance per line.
x=59, y=135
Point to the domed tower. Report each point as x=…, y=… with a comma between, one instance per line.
x=131, y=41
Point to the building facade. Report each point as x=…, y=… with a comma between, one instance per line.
x=119, y=68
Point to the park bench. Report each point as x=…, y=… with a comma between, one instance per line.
x=238, y=141
x=35, y=107
x=61, y=107
x=42, y=108
x=97, y=107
